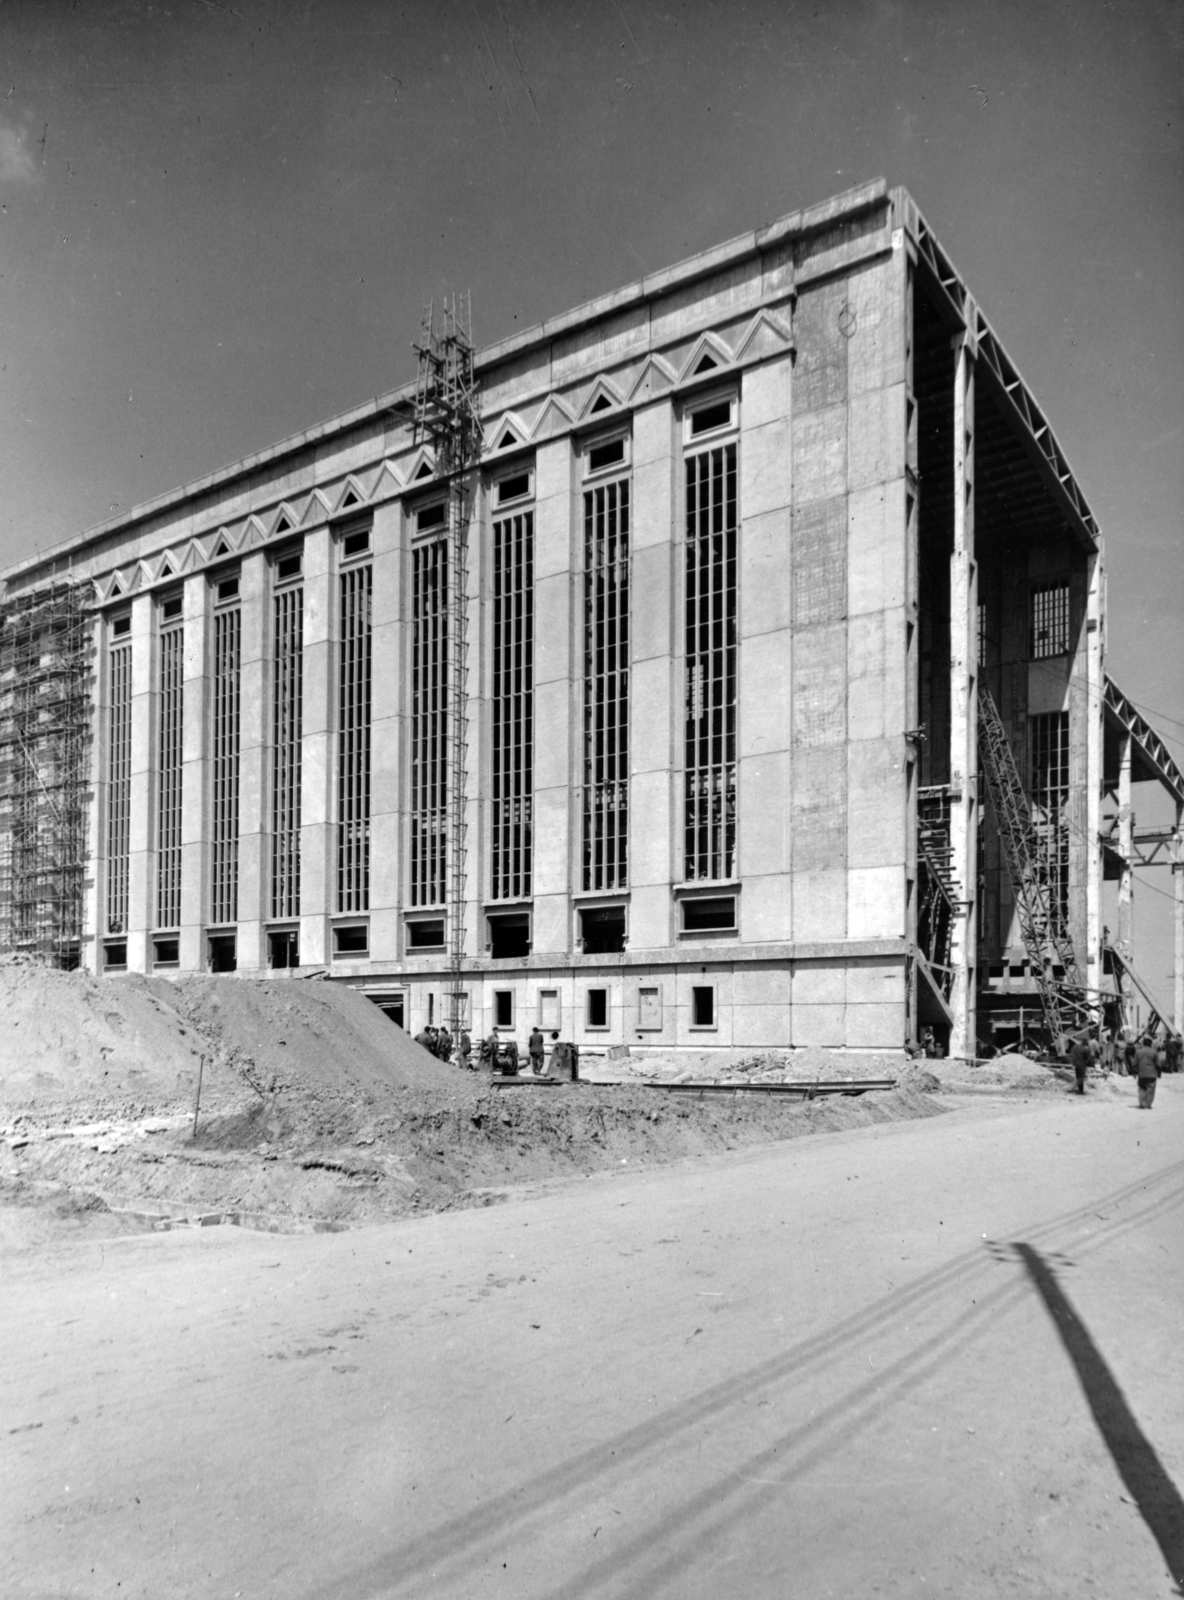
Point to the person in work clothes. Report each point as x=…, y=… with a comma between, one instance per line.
x=444, y=1045
x=1080, y=1055
x=1148, y=1065
x=535, y=1046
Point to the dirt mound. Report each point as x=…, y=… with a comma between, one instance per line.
x=742, y=1066
x=120, y=1047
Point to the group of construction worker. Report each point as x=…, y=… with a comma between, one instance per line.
x=494, y=1054
x=1142, y=1056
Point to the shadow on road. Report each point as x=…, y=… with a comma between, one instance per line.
x=1141, y=1470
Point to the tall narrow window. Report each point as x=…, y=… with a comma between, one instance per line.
x=710, y=794
x=513, y=704
x=119, y=775
x=168, y=792
x=429, y=723
x=1050, y=620
x=224, y=765
x=353, y=742
x=1050, y=802
x=287, y=712
x=606, y=685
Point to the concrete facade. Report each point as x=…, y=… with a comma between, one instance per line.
x=848, y=357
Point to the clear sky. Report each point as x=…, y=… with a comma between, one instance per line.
x=220, y=221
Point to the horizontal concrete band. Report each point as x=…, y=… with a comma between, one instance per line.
x=771, y=955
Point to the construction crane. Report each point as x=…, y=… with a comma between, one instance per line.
x=1064, y=999
x=445, y=417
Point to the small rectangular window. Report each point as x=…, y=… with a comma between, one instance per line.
x=702, y=1006
x=509, y=935
x=598, y=1008
x=430, y=517
x=707, y=418
x=223, y=952
x=121, y=626
x=602, y=929
x=609, y=454
x=170, y=609
x=166, y=952
x=393, y=1008
x=1050, y=620
x=228, y=589
x=115, y=957
x=351, y=940
x=427, y=935
x=283, y=948
x=503, y=1008
x=513, y=488
x=703, y=916
x=356, y=543
x=289, y=566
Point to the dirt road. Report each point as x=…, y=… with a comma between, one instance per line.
x=929, y=1358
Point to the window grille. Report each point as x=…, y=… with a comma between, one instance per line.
x=168, y=796
x=353, y=742
x=287, y=716
x=1050, y=621
x=429, y=724
x=710, y=794
x=1050, y=802
x=513, y=705
x=606, y=686
x=119, y=786
x=224, y=767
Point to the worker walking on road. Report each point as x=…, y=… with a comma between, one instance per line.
x=1081, y=1054
x=535, y=1046
x=1148, y=1066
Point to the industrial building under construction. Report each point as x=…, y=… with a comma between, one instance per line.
x=722, y=662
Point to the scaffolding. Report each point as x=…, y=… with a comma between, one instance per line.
x=1064, y=997
x=45, y=722
x=445, y=418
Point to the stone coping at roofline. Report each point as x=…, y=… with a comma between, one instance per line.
x=801, y=222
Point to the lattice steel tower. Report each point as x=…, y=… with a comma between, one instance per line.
x=445, y=417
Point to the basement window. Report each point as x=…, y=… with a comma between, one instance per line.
x=597, y=1008
x=223, y=952
x=283, y=948
x=509, y=935
x=709, y=915
x=426, y=935
x=503, y=1008
x=703, y=1006
x=1050, y=621
x=115, y=957
x=166, y=952
x=351, y=939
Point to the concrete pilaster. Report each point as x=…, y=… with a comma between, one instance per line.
x=194, y=785
x=964, y=708
x=254, y=724
x=656, y=671
x=556, y=676
x=317, y=753
x=387, y=713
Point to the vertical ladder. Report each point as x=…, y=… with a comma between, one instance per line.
x=1064, y=1001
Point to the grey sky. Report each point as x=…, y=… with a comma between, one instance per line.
x=221, y=218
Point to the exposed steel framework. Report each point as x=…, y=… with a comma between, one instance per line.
x=45, y=735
